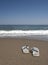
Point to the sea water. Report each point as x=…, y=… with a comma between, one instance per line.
x=29, y=31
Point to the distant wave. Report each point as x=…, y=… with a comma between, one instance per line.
x=22, y=32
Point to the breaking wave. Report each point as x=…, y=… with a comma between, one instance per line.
x=14, y=33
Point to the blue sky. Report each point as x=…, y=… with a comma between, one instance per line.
x=23, y=11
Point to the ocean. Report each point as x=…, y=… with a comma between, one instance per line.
x=27, y=31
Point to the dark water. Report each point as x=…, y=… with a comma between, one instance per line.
x=23, y=27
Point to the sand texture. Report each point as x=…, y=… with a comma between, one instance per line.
x=11, y=54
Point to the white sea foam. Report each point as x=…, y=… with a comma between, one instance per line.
x=23, y=32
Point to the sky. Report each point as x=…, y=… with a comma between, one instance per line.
x=32, y=12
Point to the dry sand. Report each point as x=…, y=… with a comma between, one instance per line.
x=11, y=54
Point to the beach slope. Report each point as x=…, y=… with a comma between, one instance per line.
x=11, y=54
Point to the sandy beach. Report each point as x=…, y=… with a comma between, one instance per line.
x=11, y=54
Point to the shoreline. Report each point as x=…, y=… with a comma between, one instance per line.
x=26, y=37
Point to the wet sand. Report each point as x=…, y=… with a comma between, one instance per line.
x=11, y=54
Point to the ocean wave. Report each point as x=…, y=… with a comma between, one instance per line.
x=22, y=32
